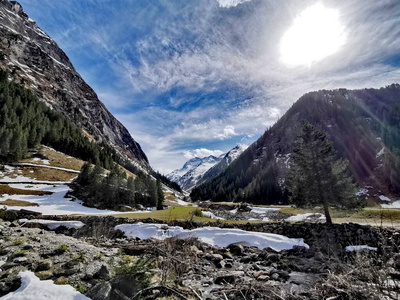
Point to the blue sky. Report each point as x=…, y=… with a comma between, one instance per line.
x=195, y=77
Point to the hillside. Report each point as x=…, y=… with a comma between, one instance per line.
x=33, y=59
x=363, y=125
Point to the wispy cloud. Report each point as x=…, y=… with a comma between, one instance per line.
x=206, y=74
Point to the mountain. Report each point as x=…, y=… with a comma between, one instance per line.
x=223, y=164
x=364, y=126
x=33, y=59
x=193, y=170
x=198, y=170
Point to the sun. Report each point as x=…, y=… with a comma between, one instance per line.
x=315, y=34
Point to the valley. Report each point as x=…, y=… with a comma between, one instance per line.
x=280, y=196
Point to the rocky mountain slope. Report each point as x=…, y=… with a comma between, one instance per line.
x=198, y=170
x=363, y=125
x=34, y=59
x=228, y=158
x=193, y=170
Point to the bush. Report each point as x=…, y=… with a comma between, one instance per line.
x=7, y=215
x=137, y=270
x=61, y=249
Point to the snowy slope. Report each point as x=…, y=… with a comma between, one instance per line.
x=198, y=170
x=224, y=163
x=193, y=170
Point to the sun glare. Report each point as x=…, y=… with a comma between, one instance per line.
x=315, y=34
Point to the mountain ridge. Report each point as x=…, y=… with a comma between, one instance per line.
x=35, y=60
x=359, y=122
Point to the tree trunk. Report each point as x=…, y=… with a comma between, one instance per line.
x=327, y=214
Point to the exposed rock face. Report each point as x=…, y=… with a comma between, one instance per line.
x=35, y=60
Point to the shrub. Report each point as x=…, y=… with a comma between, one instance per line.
x=61, y=249
x=7, y=215
x=18, y=241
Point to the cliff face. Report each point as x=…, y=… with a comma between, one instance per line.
x=34, y=59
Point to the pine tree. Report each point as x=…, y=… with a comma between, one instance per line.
x=160, y=196
x=315, y=178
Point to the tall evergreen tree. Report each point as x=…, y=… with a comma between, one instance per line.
x=315, y=177
x=160, y=195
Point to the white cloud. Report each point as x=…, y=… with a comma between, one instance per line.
x=202, y=152
x=228, y=132
x=230, y=3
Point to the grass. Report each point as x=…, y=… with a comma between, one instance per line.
x=173, y=213
x=367, y=215
x=58, y=159
x=11, y=202
x=6, y=189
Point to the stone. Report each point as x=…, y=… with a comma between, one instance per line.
x=103, y=273
x=100, y=291
x=224, y=278
x=44, y=265
x=236, y=249
x=220, y=264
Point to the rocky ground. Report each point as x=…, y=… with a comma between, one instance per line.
x=103, y=264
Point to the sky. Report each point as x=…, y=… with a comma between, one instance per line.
x=196, y=78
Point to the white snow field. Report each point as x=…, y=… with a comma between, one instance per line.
x=360, y=248
x=55, y=204
x=395, y=204
x=54, y=224
x=209, y=214
x=306, y=217
x=32, y=288
x=384, y=198
x=212, y=235
x=263, y=210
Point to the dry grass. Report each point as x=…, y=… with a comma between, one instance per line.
x=57, y=159
x=11, y=202
x=46, y=174
x=5, y=189
x=173, y=213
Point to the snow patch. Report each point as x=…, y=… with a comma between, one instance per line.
x=212, y=236
x=306, y=217
x=55, y=224
x=360, y=248
x=384, y=198
x=262, y=210
x=32, y=288
x=395, y=204
x=380, y=153
x=209, y=214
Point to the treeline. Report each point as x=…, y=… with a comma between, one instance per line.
x=115, y=190
x=26, y=122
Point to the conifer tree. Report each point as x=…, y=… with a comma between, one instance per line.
x=315, y=177
x=160, y=196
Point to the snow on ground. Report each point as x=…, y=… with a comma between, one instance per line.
x=42, y=161
x=19, y=178
x=55, y=204
x=384, y=198
x=360, y=248
x=362, y=192
x=48, y=167
x=262, y=210
x=233, y=211
x=54, y=224
x=32, y=288
x=306, y=217
x=395, y=204
x=212, y=235
x=209, y=214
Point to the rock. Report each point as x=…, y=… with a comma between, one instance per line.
x=275, y=276
x=220, y=264
x=215, y=258
x=103, y=273
x=100, y=291
x=236, y=249
x=263, y=278
x=44, y=275
x=44, y=265
x=224, y=278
